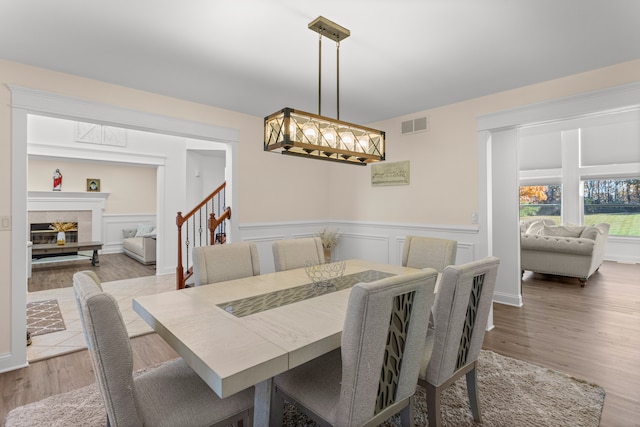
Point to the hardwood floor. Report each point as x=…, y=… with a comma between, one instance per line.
x=112, y=267
x=69, y=372
x=592, y=333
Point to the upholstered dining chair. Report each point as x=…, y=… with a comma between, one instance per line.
x=460, y=314
x=169, y=395
x=374, y=374
x=294, y=253
x=218, y=263
x=423, y=252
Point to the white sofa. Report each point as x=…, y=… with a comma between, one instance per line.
x=572, y=251
x=140, y=244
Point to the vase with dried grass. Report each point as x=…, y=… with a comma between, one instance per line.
x=329, y=240
x=61, y=228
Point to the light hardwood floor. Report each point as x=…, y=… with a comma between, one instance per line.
x=592, y=333
x=112, y=267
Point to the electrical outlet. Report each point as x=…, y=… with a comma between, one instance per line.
x=5, y=223
x=474, y=217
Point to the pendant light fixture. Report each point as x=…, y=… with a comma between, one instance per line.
x=298, y=133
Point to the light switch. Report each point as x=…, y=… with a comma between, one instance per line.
x=5, y=223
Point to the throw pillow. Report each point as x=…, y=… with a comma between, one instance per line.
x=129, y=232
x=144, y=229
x=561, y=231
x=535, y=227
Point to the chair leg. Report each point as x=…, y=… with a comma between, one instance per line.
x=407, y=414
x=472, y=390
x=433, y=405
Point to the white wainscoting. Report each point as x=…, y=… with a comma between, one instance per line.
x=623, y=249
x=113, y=225
x=380, y=242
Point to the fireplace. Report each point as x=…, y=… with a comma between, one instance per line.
x=41, y=233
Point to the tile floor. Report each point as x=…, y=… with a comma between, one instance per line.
x=72, y=338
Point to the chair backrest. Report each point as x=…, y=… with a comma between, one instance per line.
x=383, y=342
x=460, y=315
x=110, y=349
x=423, y=252
x=218, y=263
x=294, y=253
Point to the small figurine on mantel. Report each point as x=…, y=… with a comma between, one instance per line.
x=57, y=180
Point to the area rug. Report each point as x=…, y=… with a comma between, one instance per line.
x=512, y=393
x=44, y=317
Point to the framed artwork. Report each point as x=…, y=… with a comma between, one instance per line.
x=93, y=184
x=396, y=173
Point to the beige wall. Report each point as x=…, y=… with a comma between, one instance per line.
x=124, y=198
x=272, y=187
x=444, y=170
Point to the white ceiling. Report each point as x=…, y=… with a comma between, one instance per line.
x=258, y=56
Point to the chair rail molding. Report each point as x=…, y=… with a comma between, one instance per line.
x=381, y=242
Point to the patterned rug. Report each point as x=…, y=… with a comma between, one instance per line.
x=44, y=317
x=513, y=393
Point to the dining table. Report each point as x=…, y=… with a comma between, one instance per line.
x=241, y=333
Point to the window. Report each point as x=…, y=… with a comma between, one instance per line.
x=614, y=201
x=541, y=202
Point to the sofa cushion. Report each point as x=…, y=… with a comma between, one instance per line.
x=561, y=231
x=144, y=229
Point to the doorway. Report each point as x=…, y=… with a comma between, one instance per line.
x=27, y=101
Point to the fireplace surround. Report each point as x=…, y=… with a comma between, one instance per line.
x=85, y=209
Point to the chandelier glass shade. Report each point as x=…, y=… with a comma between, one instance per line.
x=298, y=133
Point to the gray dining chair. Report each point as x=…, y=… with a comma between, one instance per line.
x=374, y=374
x=169, y=395
x=423, y=252
x=294, y=253
x=460, y=315
x=218, y=263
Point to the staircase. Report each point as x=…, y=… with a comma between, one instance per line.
x=203, y=225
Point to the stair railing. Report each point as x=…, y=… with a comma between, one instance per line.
x=211, y=213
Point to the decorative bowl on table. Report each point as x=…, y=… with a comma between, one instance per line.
x=324, y=274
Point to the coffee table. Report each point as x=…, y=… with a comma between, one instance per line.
x=69, y=247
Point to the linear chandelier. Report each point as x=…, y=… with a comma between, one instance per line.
x=298, y=133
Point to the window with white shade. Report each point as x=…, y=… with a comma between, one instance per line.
x=592, y=162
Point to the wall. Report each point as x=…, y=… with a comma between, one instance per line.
x=115, y=179
x=205, y=172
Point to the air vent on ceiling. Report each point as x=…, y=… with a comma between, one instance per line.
x=420, y=124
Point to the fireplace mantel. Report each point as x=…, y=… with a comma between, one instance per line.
x=67, y=195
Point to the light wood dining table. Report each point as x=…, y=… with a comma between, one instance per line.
x=243, y=332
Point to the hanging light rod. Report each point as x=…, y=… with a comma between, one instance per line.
x=298, y=133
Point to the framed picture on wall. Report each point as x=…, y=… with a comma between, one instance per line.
x=93, y=184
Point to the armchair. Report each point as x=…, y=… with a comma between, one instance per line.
x=572, y=251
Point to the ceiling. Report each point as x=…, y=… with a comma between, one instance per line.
x=258, y=56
